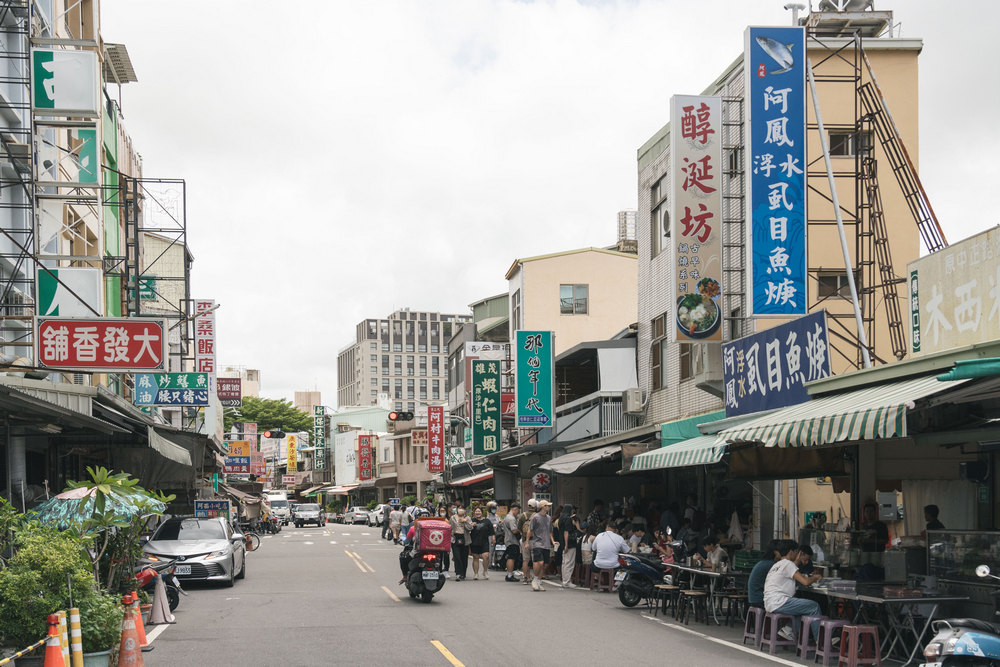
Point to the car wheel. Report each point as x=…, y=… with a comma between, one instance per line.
x=232, y=569
x=243, y=570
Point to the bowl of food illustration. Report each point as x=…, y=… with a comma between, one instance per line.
x=698, y=314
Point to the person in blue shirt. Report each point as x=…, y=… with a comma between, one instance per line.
x=755, y=585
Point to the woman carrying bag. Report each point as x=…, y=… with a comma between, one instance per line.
x=461, y=529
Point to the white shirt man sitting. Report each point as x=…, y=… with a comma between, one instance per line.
x=607, y=546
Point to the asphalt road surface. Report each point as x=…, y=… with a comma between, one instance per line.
x=317, y=596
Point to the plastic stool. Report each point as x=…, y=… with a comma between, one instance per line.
x=600, y=580
x=806, y=645
x=696, y=601
x=859, y=645
x=754, y=625
x=824, y=641
x=769, y=634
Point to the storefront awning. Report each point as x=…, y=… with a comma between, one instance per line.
x=168, y=449
x=701, y=450
x=864, y=414
x=567, y=464
x=340, y=490
x=311, y=489
x=472, y=479
x=246, y=498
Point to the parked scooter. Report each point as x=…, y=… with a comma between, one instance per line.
x=422, y=560
x=146, y=576
x=636, y=577
x=965, y=642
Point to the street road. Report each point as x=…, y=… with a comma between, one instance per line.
x=317, y=596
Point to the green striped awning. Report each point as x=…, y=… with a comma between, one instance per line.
x=864, y=414
x=695, y=451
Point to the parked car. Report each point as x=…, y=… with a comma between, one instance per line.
x=355, y=515
x=205, y=549
x=375, y=516
x=309, y=513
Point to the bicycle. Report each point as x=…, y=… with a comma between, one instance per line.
x=252, y=540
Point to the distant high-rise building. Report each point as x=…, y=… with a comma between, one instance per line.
x=307, y=400
x=404, y=356
x=250, y=377
x=626, y=232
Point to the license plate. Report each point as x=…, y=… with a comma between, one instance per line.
x=430, y=574
x=620, y=575
x=183, y=569
x=500, y=548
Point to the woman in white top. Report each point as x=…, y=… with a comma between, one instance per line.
x=779, y=587
x=587, y=545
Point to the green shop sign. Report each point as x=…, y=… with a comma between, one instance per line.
x=485, y=407
x=534, y=368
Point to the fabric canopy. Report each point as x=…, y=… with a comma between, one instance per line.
x=167, y=448
x=567, y=464
x=472, y=479
x=864, y=414
x=680, y=430
x=695, y=451
x=340, y=490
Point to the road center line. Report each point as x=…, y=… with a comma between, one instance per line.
x=390, y=594
x=351, y=556
x=447, y=654
x=723, y=642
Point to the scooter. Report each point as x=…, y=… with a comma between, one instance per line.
x=965, y=642
x=424, y=573
x=146, y=577
x=636, y=577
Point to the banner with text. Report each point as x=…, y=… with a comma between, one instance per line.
x=292, y=457
x=204, y=336
x=696, y=236
x=485, y=407
x=101, y=344
x=535, y=370
x=435, y=447
x=366, y=466
x=319, y=436
x=229, y=391
x=171, y=389
x=775, y=63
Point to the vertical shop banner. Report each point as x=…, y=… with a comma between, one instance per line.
x=366, y=465
x=435, y=431
x=770, y=369
x=535, y=381
x=250, y=435
x=696, y=231
x=204, y=336
x=293, y=453
x=319, y=436
x=229, y=391
x=257, y=465
x=775, y=61
x=485, y=407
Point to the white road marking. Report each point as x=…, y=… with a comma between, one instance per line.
x=345, y=533
x=307, y=543
x=723, y=642
x=155, y=632
x=333, y=541
x=366, y=533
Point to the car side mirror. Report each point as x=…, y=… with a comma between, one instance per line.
x=144, y=539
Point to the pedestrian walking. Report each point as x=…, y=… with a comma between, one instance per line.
x=512, y=540
x=541, y=542
x=569, y=527
x=405, y=520
x=395, y=523
x=524, y=525
x=491, y=514
x=480, y=542
x=461, y=528
x=386, y=530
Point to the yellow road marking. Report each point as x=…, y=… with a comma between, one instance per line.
x=360, y=560
x=390, y=594
x=447, y=654
x=351, y=556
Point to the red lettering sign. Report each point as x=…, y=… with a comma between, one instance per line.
x=366, y=467
x=101, y=344
x=435, y=438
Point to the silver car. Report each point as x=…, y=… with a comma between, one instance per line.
x=205, y=549
x=308, y=513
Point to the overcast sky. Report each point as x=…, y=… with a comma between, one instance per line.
x=345, y=159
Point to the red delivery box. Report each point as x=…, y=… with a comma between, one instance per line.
x=432, y=535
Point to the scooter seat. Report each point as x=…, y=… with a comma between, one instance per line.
x=974, y=624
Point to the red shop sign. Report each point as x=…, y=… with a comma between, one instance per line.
x=101, y=344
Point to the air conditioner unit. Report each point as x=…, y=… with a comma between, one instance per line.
x=706, y=368
x=19, y=303
x=632, y=401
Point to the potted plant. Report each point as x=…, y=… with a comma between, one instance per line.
x=100, y=626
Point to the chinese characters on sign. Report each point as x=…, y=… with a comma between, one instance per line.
x=418, y=437
x=109, y=344
x=171, y=389
x=955, y=295
x=288, y=480
x=229, y=391
x=435, y=429
x=770, y=369
x=238, y=448
x=293, y=453
x=206, y=509
x=366, y=465
x=535, y=378
x=204, y=336
x=485, y=407
x=776, y=194
x=257, y=465
x=319, y=436
x=250, y=434
x=237, y=464
x=484, y=350
x=696, y=232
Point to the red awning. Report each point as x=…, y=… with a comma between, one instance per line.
x=472, y=479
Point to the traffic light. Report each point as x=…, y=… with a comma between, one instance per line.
x=395, y=416
x=275, y=433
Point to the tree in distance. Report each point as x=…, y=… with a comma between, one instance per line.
x=270, y=413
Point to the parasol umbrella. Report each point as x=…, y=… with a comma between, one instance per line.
x=66, y=509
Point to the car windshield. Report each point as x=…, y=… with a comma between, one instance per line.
x=191, y=529
x=308, y=507
x=279, y=503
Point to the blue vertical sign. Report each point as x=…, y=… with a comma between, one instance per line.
x=535, y=375
x=775, y=61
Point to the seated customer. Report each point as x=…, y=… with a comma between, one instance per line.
x=607, y=546
x=755, y=585
x=804, y=561
x=779, y=586
x=710, y=554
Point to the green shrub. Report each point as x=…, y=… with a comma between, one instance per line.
x=371, y=504
x=100, y=622
x=337, y=506
x=409, y=500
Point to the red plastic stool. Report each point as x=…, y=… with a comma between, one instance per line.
x=754, y=625
x=859, y=645
x=824, y=641
x=600, y=580
x=806, y=645
x=769, y=634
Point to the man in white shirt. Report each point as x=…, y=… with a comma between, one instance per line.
x=607, y=546
x=779, y=587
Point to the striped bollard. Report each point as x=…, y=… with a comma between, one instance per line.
x=64, y=638
x=75, y=638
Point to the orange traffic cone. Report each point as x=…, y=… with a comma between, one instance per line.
x=129, y=652
x=53, y=646
x=140, y=627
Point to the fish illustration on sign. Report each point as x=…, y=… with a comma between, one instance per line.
x=779, y=53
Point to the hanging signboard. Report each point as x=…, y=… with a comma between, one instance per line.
x=64, y=82
x=435, y=447
x=535, y=378
x=696, y=200
x=418, y=437
x=288, y=480
x=237, y=464
x=204, y=336
x=229, y=391
x=292, y=457
x=485, y=407
x=69, y=292
x=171, y=389
x=238, y=448
x=319, y=436
x=101, y=344
x=257, y=464
x=770, y=369
x=366, y=466
x=955, y=295
x=250, y=434
x=775, y=62
x=206, y=509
